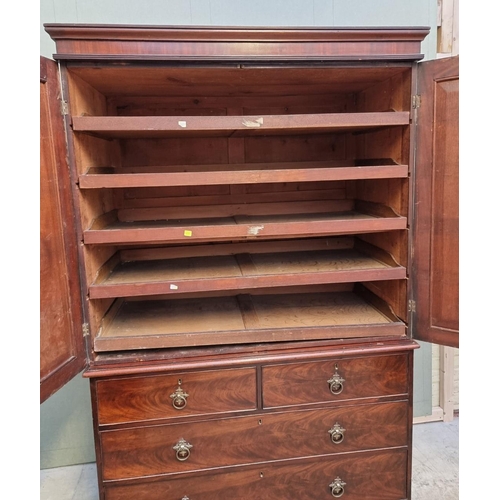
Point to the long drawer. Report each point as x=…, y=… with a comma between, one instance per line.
x=358, y=476
x=335, y=380
x=174, y=448
x=145, y=398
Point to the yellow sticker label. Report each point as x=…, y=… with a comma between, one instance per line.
x=188, y=233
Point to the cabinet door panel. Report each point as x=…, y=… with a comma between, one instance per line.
x=61, y=354
x=436, y=213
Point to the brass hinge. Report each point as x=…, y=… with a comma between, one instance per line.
x=416, y=100
x=412, y=306
x=64, y=108
x=85, y=329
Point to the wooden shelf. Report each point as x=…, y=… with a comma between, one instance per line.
x=243, y=267
x=241, y=173
x=234, y=126
x=297, y=220
x=151, y=324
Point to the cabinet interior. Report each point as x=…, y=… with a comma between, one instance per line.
x=239, y=204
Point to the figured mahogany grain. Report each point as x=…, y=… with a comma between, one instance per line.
x=244, y=440
x=307, y=383
x=135, y=399
x=368, y=475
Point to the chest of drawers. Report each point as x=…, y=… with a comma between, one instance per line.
x=334, y=422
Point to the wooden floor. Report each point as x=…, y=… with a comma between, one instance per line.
x=435, y=469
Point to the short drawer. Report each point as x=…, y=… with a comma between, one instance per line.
x=360, y=476
x=193, y=446
x=146, y=398
x=335, y=380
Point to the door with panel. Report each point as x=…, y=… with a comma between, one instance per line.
x=436, y=244
x=62, y=353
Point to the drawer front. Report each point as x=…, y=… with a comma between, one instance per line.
x=243, y=440
x=336, y=380
x=182, y=394
x=367, y=475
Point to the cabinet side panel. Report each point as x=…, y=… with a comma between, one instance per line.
x=90, y=152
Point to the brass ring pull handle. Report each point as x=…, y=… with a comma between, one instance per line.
x=337, y=433
x=182, y=450
x=336, y=383
x=179, y=398
x=337, y=487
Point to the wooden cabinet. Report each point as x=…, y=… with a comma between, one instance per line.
x=334, y=414
x=245, y=206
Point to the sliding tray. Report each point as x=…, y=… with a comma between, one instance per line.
x=120, y=127
x=241, y=173
x=242, y=319
x=178, y=270
x=232, y=222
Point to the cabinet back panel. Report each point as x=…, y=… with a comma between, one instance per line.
x=156, y=152
x=265, y=198
x=141, y=80
x=166, y=198
x=222, y=195
x=295, y=148
x=299, y=101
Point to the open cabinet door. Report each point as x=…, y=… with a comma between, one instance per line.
x=62, y=353
x=435, y=263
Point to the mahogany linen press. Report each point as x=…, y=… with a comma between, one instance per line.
x=243, y=232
